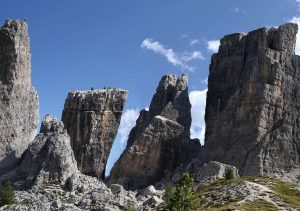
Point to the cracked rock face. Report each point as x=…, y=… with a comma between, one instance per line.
x=18, y=99
x=157, y=141
x=49, y=158
x=252, y=109
x=92, y=119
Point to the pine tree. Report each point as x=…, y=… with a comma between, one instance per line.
x=7, y=195
x=182, y=198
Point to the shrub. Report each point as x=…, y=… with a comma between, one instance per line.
x=182, y=198
x=7, y=195
x=229, y=174
x=129, y=207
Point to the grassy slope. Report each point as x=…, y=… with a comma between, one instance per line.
x=285, y=195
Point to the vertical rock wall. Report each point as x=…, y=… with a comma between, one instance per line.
x=92, y=119
x=253, y=100
x=18, y=99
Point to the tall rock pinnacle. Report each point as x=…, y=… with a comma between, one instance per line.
x=92, y=119
x=155, y=144
x=18, y=99
x=252, y=108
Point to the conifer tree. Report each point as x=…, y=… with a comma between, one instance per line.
x=182, y=198
x=7, y=195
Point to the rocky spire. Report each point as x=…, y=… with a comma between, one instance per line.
x=49, y=158
x=18, y=99
x=155, y=144
x=92, y=119
x=252, y=108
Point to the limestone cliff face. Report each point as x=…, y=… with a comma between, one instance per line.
x=157, y=142
x=49, y=158
x=253, y=100
x=92, y=119
x=18, y=99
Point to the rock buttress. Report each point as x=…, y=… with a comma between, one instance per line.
x=92, y=119
x=18, y=99
x=158, y=141
x=253, y=100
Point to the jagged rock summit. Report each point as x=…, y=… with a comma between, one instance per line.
x=49, y=158
x=252, y=108
x=92, y=119
x=157, y=143
x=18, y=99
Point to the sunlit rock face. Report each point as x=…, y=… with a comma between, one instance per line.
x=160, y=140
x=253, y=100
x=92, y=119
x=18, y=99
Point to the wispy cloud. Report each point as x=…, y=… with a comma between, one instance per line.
x=239, y=10
x=194, y=42
x=297, y=21
x=128, y=120
x=204, y=81
x=213, y=45
x=176, y=59
x=198, y=101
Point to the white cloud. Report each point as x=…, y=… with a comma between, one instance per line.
x=189, y=56
x=213, y=45
x=204, y=81
x=236, y=10
x=297, y=20
x=198, y=101
x=239, y=10
x=184, y=36
x=194, y=42
x=176, y=59
x=128, y=120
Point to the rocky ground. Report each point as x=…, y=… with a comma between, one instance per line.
x=244, y=193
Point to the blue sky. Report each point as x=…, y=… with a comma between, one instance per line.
x=77, y=44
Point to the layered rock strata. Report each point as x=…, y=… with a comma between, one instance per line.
x=18, y=99
x=92, y=119
x=158, y=141
x=252, y=108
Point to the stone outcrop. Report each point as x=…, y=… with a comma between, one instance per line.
x=252, y=108
x=158, y=141
x=49, y=158
x=92, y=119
x=18, y=99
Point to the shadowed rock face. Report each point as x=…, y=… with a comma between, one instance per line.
x=49, y=158
x=157, y=142
x=92, y=119
x=253, y=100
x=18, y=99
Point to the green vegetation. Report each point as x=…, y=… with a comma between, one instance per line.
x=182, y=198
x=287, y=193
x=229, y=174
x=7, y=195
x=260, y=205
x=129, y=207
